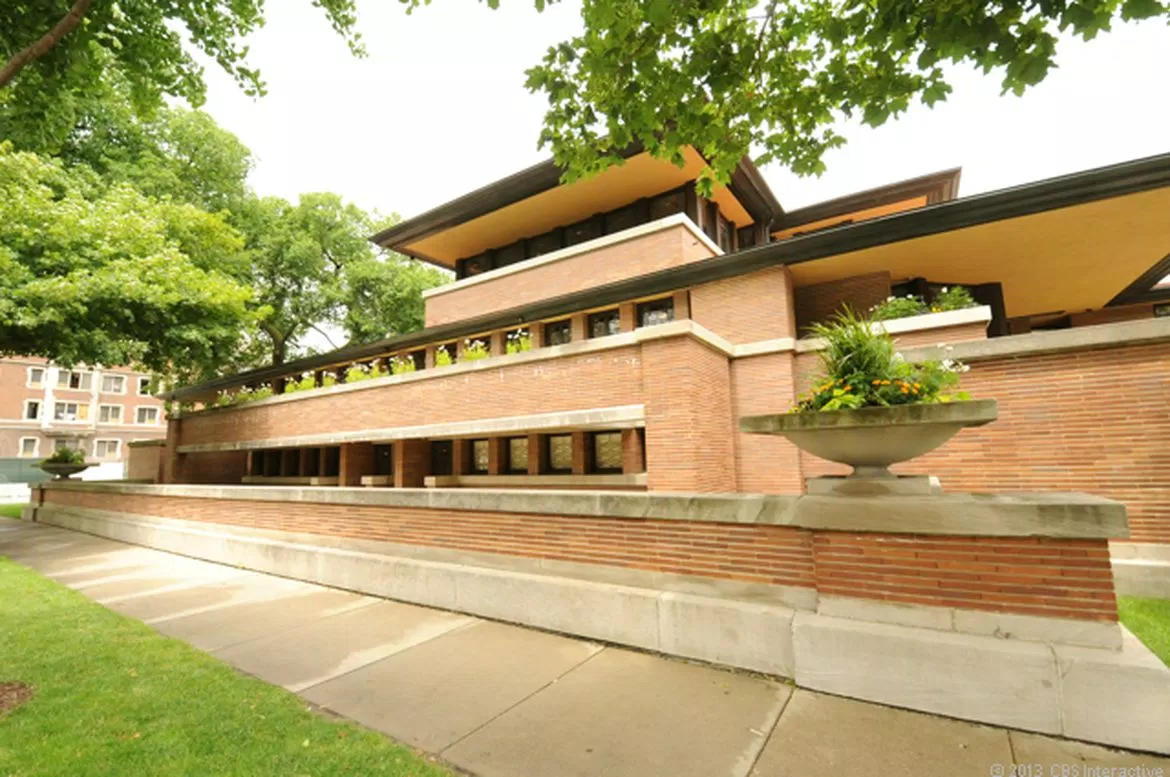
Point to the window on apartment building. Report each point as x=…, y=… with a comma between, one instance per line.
x=146, y=415
x=479, y=457
x=113, y=384
x=606, y=322
x=36, y=377
x=32, y=410
x=607, y=452
x=657, y=311
x=518, y=454
x=62, y=443
x=74, y=379
x=28, y=447
x=110, y=414
x=107, y=449
x=71, y=411
x=560, y=453
x=558, y=332
x=144, y=387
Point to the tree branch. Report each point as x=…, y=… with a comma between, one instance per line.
x=328, y=339
x=50, y=39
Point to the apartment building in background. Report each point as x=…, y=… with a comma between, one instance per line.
x=99, y=410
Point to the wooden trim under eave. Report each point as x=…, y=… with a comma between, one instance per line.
x=1142, y=289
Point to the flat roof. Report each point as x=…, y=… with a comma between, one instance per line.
x=1092, y=234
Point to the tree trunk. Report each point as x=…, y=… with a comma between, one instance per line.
x=50, y=39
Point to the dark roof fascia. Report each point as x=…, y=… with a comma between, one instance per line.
x=749, y=187
x=1146, y=288
x=942, y=186
x=1052, y=194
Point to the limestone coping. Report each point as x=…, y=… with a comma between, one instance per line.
x=1061, y=515
x=160, y=442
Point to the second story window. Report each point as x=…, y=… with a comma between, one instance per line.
x=71, y=411
x=657, y=311
x=110, y=414
x=144, y=387
x=107, y=449
x=146, y=415
x=36, y=377
x=72, y=379
x=604, y=323
x=558, y=332
x=479, y=457
x=32, y=410
x=113, y=384
x=518, y=455
x=560, y=453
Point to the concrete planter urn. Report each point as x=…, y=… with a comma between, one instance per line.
x=870, y=439
x=62, y=470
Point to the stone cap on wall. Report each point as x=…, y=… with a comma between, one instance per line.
x=1064, y=515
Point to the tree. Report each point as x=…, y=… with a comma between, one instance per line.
x=732, y=76
x=106, y=275
x=53, y=55
x=383, y=296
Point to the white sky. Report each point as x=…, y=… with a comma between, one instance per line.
x=439, y=108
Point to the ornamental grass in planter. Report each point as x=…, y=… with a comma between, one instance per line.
x=872, y=408
x=65, y=462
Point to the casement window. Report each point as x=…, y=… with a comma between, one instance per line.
x=518, y=455
x=109, y=414
x=654, y=312
x=560, y=453
x=113, y=384
x=74, y=379
x=479, y=457
x=604, y=323
x=36, y=377
x=146, y=415
x=607, y=452
x=558, y=332
x=107, y=449
x=71, y=411
x=62, y=443
x=29, y=446
x=144, y=387
x=32, y=409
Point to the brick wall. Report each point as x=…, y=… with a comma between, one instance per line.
x=1036, y=576
x=689, y=440
x=747, y=308
x=764, y=463
x=661, y=250
x=144, y=463
x=819, y=301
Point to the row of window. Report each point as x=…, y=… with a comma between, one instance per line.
x=79, y=411
x=605, y=447
x=102, y=449
x=82, y=380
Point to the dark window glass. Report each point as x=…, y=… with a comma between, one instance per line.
x=560, y=453
x=558, y=332
x=607, y=452
x=657, y=311
x=383, y=459
x=518, y=454
x=479, y=456
x=441, y=457
x=607, y=322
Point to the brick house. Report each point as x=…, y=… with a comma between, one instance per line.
x=99, y=410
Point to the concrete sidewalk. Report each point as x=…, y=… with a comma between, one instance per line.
x=504, y=701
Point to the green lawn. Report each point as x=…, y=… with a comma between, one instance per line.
x=10, y=511
x=114, y=697
x=1149, y=620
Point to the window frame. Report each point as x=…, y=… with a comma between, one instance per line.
x=117, y=449
x=595, y=466
x=36, y=451
x=138, y=413
x=121, y=413
x=475, y=470
x=28, y=381
x=511, y=467
x=40, y=403
x=108, y=376
x=68, y=376
x=565, y=323
x=610, y=314
x=652, y=305
x=65, y=442
x=79, y=416
x=548, y=456
x=141, y=380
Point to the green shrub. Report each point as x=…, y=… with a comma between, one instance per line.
x=304, y=383
x=358, y=373
x=862, y=368
x=474, y=350
x=952, y=298
x=898, y=307
x=400, y=365
x=66, y=455
x=518, y=341
x=443, y=356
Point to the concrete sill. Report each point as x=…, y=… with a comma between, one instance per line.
x=289, y=480
x=536, y=481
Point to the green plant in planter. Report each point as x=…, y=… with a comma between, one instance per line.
x=474, y=350
x=443, y=356
x=952, y=298
x=518, y=341
x=898, y=307
x=66, y=456
x=862, y=368
x=359, y=373
x=400, y=365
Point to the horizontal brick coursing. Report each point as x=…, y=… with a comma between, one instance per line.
x=757, y=554
x=1060, y=578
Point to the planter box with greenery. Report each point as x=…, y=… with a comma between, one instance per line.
x=65, y=462
x=872, y=408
